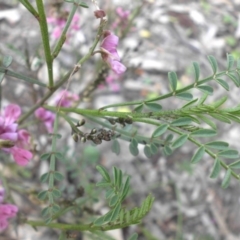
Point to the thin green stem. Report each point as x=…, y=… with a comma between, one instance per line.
x=78, y=227
x=30, y=8
x=170, y=94
x=22, y=77
x=62, y=38
x=66, y=76
x=191, y=139
x=45, y=41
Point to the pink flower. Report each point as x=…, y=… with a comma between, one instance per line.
x=7, y=211
x=58, y=24
x=66, y=98
x=9, y=131
x=110, y=54
x=122, y=14
x=47, y=117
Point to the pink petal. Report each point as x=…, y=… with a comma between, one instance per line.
x=3, y=223
x=8, y=210
x=117, y=67
x=9, y=136
x=12, y=113
x=11, y=127
x=23, y=135
x=21, y=156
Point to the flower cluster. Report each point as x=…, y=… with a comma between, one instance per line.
x=122, y=19
x=7, y=211
x=20, y=139
x=109, y=52
x=64, y=99
x=58, y=23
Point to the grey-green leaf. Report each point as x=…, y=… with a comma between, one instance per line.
x=7, y=60
x=103, y=172
x=219, y=145
x=230, y=153
x=44, y=177
x=223, y=83
x=206, y=89
x=234, y=79
x=116, y=212
x=58, y=176
x=183, y=121
x=155, y=107
x=147, y=151
x=196, y=69
x=167, y=150
x=213, y=63
x=230, y=61
x=179, y=141
x=198, y=155
x=235, y=165
x=154, y=148
x=133, y=237
x=185, y=96
x=45, y=156
x=43, y=195
x=160, y=130
x=113, y=200
x=216, y=168
x=204, y=133
x=172, y=77
x=138, y=109
x=133, y=149
x=226, y=179
x=116, y=147
x=134, y=142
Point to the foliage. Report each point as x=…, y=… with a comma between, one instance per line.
x=194, y=121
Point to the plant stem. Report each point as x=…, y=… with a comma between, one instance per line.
x=22, y=77
x=45, y=41
x=30, y=8
x=66, y=76
x=170, y=94
x=62, y=38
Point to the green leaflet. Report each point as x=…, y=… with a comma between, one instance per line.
x=230, y=153
x=206, y=89
x=230, y=61
x=219, y=145
x=196, y=69
x=180, y=141
x=172, y=77
x=116, y=147
x=155, y=107
x=183, y=121
x=235, y=165
x=213, y=63
x=204, y=133
x=223, y=83
x=198, y=155
x=7, y=60
x=160, y=130
x=216, y=168
x=226, y=179
x=185, y=96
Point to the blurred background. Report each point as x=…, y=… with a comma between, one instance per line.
x=164, y=36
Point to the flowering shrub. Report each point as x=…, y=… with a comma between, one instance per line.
x=64, y=207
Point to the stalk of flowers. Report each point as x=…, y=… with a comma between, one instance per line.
x=20, y=138
x=108, y=49
x=7, y=211
x=63, y=99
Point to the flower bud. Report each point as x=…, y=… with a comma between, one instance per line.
x=99, y=13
